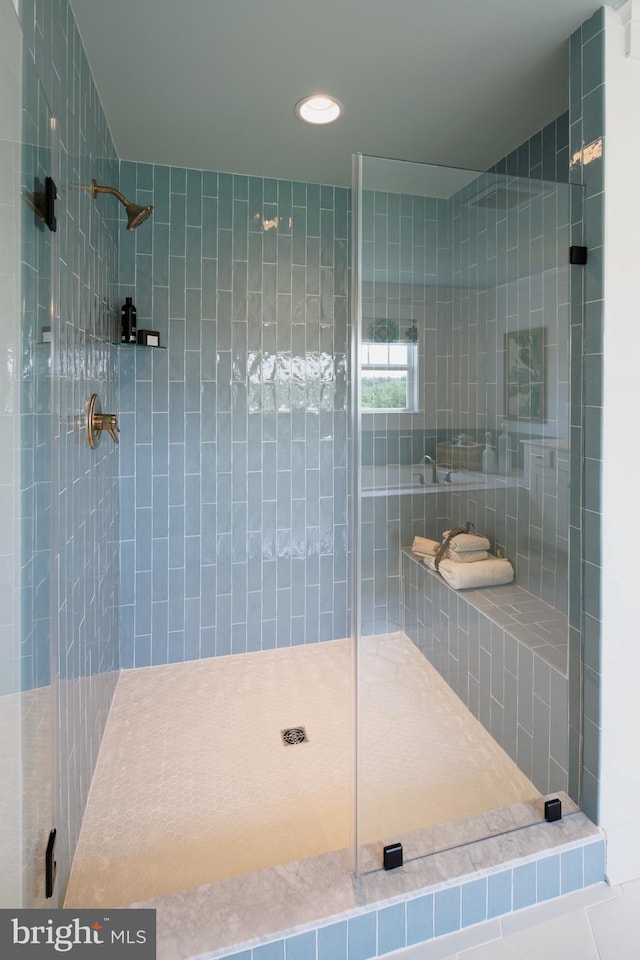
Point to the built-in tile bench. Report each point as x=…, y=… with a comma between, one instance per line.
x=504, y=652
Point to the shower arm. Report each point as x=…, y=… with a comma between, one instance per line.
x=95, y=190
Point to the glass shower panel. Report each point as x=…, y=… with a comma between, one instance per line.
x=11, y=877
x=462, y=349
x=25, y=437
x=38, y=668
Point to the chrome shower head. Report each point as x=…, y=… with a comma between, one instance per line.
x=136, y=214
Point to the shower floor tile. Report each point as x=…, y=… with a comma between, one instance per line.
x=194, y=783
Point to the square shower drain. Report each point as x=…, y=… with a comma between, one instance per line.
x=293, y=735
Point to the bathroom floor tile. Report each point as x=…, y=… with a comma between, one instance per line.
x=615, y=924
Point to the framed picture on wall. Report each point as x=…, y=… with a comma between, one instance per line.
x=524, y=374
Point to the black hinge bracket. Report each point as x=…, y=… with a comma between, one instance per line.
x=43, y=203
x=578, y=255
x=392, y=856
x=50, y=197
x=50, y=866
x=553, y=809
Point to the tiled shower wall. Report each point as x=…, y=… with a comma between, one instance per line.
x=466, y=276
x=83, y=577
x=511, y=275
x=406, y=255
x=233, y=451
x=519, y=697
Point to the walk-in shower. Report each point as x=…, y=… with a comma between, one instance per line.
x=262, y=517
x=458, y=703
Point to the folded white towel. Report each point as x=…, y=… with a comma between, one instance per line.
x=469, y=556
x=464, y=542
x=464, y=576
x=424, y=547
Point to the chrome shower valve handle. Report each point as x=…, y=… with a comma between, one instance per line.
x=97, y=422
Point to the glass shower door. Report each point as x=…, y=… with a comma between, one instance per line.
x=27, y=676
x=461, y=413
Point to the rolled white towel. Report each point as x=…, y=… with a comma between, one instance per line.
x=424, y=547
x=464, y=542
x=464, y=576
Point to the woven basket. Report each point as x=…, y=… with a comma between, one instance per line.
x=459, y=458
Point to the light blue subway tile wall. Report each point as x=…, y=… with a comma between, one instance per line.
x=462, y=274
x=406, y=258
x=234, y=438
x=511, y=276
x=84, y=483
x=502, y=678
x=35, y=396
x=587, y=158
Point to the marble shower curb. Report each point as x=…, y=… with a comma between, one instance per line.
x=320, y=911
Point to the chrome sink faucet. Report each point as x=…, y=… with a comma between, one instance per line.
x=434, y=468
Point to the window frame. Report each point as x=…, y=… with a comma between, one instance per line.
x=411, y=368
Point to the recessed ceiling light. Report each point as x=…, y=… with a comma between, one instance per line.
x=318, y=108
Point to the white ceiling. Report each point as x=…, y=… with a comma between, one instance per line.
x=212, y=84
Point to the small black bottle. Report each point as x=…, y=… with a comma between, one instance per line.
x=128, y=315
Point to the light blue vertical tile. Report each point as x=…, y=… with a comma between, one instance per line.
x=447, y=911
x=499, y=893
x=160, y=194
x=143, y=475
x=178, y=180
x=144, y=176
x=210, y=227
x=474, y=902
x=160, y=572
x=194, y=198
x=192, y=629
x=175, y=644
x=143, y=539
x=548, y=881
x=193, y=265
x=192, y=505
x=225, y=200
x=524, y=886
x=192, y=567
x=594, y=863
x=361, y=937
x=159, y=632
x=392, y=934
x=127, y=560
x=332, y=942
x=209, y=184
x=177, y=283
x=142, y=651
x=177, y=223
x=143, y=614
x=571, y=871
x=301, y=947
x=270, y=951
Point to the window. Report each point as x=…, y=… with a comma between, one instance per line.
x=389, y=381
